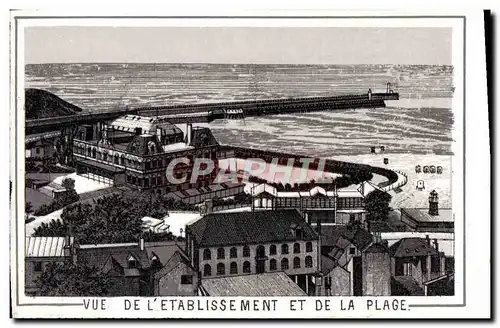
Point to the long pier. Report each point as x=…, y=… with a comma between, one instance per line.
x=202, y=113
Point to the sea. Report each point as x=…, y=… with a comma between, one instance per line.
x=421, y=122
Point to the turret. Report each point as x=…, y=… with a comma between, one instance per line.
x=433, y=203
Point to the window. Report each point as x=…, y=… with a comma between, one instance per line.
x=296, y=263
x=298, y=233
x=233, y=268
x=309, y=262
x=352, y=251
x=122, y=160
x=220, y=253
x=272, y=250
x=284, y=264
x=246, y=267
x=38, y=266
x=132, y=263
x=246, y=251
x=207, y=270
x=233, y=253
x=221, y=269
x=352, y=218
x=284, y=249
x=37, y=150
x=155, y=262
x=116, y=159
x=272, y=265
x=186, y=279
x=309, y=247
x=296, y=248
x=407, y=269
x=207, y=255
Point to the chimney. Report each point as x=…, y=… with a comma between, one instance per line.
x=433, y=203
x=189, y=133
x=427, y=240
x=141, y=244
x=436, y=245
x=104, y=131
x=369, y=94
x=158, y=133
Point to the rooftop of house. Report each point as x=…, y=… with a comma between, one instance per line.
x=257, y=285
x=221, y=229
x=359, y=190
x=148, y=125
x=44, y=247
x=331, y=236
x=115, y=257
x=328, y=264
x=422, y=214
x=409, y=247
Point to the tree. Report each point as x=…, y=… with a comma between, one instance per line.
x=68, y=279
x=28, y=209
x=68, y=184
x=377, y=205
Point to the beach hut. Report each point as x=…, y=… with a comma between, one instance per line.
x=426, y=169
x=382, y=148
x=439, y=170
x=432, y=169
x=373, y=150
x=418, y=169
x=420, y=185
x=386, y=161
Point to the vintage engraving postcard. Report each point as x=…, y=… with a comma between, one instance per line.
x=280, y=165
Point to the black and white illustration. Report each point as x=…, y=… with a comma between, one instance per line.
x=241, y=161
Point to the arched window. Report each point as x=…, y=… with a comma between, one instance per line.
x=272, y=265
x=246, y=251
x=296, y=248
x=309, y=262
x=220, y=253
x=89, y=152
x=207, y=255
x=246, y=267
x=207, y=270
x=122, y=159
x=105, y=156
x=151, y=147
x=233, y=253
x=116, y=158
x=261, y=251
x=221, y=269
x=309, y=247
x=94, y=151
x=272, y=250
x=296, y=263
x=233, y=269
x=284, y=264
x=284, y=249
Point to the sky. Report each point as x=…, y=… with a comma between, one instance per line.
x=239, y=45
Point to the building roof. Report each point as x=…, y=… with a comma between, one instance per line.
x=129, y=123
x=359, y=190
x=407, y=247
x=44, y=246
x=177, y=258
x=163, y=250
x=231, y=228
x=256, y=285
x=422, y=214
x=118, y=254
x=328, y=264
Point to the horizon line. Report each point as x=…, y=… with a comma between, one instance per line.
x=216, y=63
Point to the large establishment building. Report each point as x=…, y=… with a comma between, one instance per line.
x=318, y=206
x=249, y=243
x=137, y=151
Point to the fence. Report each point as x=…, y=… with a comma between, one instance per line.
x=219, y=208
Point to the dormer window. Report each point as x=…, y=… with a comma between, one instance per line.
x=132, y=262
x=155, y=261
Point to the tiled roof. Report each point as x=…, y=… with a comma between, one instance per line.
x=412, y=247
x=164, y=250
x=128, y=123
x=220, y=229
x=422, y=215
x=44, y=246
x=255, y=285
x=327, y=264
x=98, y=256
